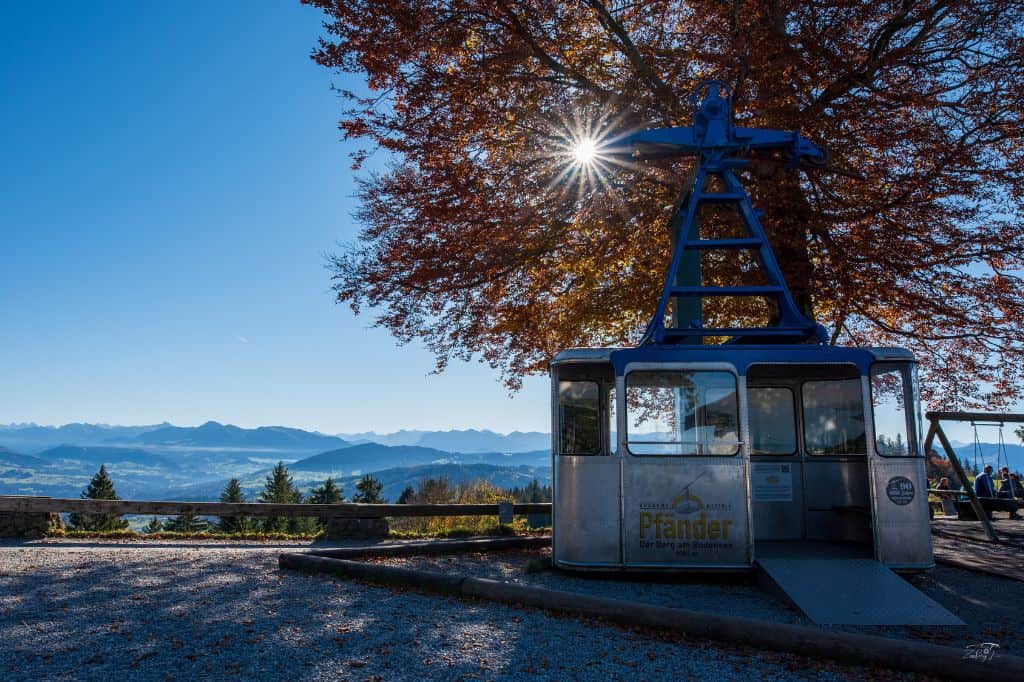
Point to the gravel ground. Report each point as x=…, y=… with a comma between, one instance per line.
x=172, y=611
x=992, y=608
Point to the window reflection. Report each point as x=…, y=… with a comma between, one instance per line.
x=834, y=417
x=888, y=399
x=682, y=413
x=772, y=421
x=579, y=418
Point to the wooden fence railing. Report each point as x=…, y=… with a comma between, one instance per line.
x=24, y=504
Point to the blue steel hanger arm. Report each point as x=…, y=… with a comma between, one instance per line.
x=662, y=142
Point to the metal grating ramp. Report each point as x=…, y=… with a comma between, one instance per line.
x=852, y=592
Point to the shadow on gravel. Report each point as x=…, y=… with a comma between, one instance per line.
x=989, y=605
x=117, y=613
x=109, y=611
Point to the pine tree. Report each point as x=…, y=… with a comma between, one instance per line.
x=328, y=493
x=233, y=524
x=534, y=492
x=187, y=523
x=99, y=488
x=369, y=491
x=279, y=489
x=408, y=496
x=155, y=526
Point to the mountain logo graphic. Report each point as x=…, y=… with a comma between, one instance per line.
x=686, y=502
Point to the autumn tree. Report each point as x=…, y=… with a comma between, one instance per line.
x=101, y=487
x=482, y=238
x=434, y=491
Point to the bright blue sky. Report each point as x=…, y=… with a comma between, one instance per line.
x=172, y=177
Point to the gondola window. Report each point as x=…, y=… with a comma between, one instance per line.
x=834, y=417
x=682, y=413
x=772, y=421
x=888, y=398
x=579, y=416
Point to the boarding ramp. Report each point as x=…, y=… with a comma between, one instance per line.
x=837, y=584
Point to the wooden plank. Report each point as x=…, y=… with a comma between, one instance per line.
x=345, y=510
x=988, y=417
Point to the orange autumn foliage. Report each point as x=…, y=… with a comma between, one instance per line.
x=479, y=243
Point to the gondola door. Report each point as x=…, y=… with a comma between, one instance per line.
x=684, y=466
x=586, y=484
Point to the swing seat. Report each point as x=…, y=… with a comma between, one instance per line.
x=965, y=511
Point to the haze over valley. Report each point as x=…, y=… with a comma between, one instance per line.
x=163, y=461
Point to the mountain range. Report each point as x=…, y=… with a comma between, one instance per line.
x=172, y=462
x=27, y=437
x=32, y=437
x=215, y=435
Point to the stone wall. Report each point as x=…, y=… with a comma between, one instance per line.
x=28, y=524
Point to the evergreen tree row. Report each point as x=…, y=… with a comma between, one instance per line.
x=279, y=488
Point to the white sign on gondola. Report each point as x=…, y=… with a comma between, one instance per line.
x=771, y=482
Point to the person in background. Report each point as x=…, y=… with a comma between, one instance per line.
x=1008, y=491
x=1004, y=484
x=1016, y=487
x=983, y=485
x=948, y=501
x=985, y=490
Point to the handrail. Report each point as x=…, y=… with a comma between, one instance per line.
x=352, y=510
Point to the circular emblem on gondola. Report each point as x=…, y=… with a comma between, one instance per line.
x=900, y=490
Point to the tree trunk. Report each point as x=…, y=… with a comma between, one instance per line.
x=786, y=216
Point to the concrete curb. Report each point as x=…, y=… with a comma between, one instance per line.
x=902, y=655
x=422, y=547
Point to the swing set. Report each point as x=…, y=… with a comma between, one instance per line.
x=1001, y=455
x=976, y=419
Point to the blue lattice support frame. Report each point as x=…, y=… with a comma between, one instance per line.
x=721, y=147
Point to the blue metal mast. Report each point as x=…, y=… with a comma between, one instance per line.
x=721, y=147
